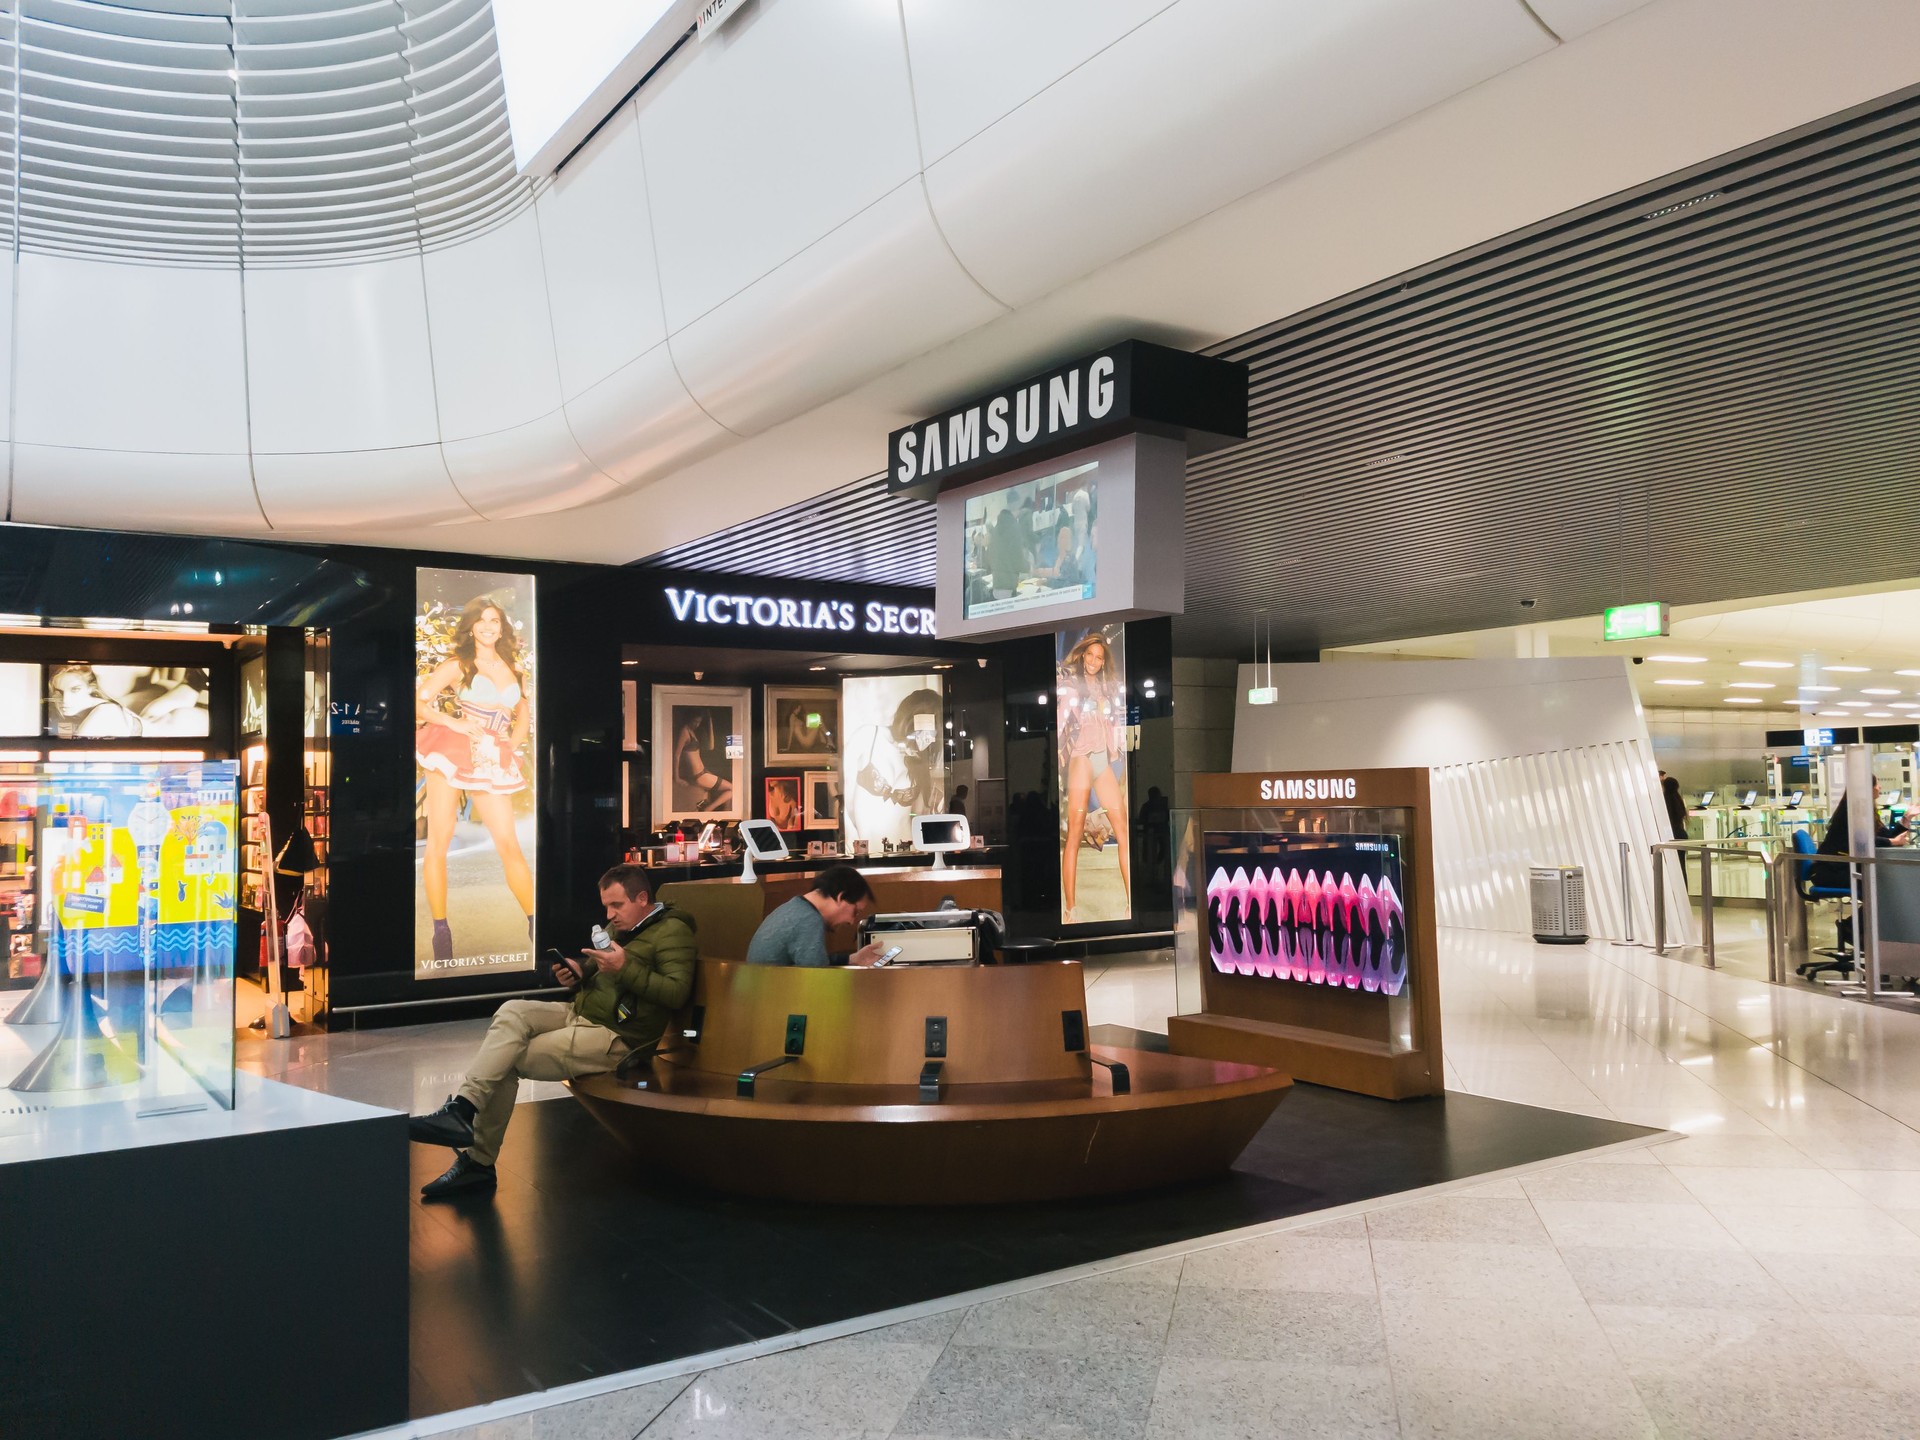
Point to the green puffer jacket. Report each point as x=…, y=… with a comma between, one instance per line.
x=656, y=980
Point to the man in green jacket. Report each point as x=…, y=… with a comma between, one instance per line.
x=626, y=994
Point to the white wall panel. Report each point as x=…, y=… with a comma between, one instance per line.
x=973, y=62
x=532, y=469
x=125, y=490
x=795, y=118
x=1568, y=18
x=1534, y=762
x=639, y=423
x=130, y=357
x=493, y=361
x=1201, y=105
x=598, y=240
x=878, y=290
x=338, y=359
x=407, y=486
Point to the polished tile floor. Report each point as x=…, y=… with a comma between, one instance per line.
x=1759, y=1277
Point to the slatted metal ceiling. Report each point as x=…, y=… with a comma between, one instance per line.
x=278, y=131
x=1700, y=390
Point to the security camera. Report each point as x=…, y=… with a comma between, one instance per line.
x=1639, y=659
x=1528, y=604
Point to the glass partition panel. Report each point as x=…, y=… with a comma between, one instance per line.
x=117, y=893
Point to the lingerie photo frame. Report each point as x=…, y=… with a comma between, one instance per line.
x=802, y=725
x=700, y=753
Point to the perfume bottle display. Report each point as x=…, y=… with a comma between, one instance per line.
x=1315, y=909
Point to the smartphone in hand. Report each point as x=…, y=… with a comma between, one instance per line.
x=567, y=971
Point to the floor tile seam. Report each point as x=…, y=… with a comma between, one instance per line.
x=1386, y=1349
x=659, y=1414
x=1522, y=1021
x=1771, y=1047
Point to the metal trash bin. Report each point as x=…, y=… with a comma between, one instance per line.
x=1559, y=895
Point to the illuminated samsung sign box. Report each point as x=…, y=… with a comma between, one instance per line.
x=567, y=63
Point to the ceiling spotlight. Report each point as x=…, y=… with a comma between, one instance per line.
x=1751, y=685
x=1742, y=699
x=1678, y=659
x=1878, y=692
x=1766, y=664
x=1679, y=682
x=1846, y=669
x=816, y=668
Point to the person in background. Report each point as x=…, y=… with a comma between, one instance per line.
x=796, y=932
x=1676, y=815
x=1009, y=554
x=1835, y=873
x=624, y=996
x=958, y=804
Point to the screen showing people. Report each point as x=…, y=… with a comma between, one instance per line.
x=101, y=702
x=1316, y=909
x=1090, y=696
x=1033, y=544
x=474, y=661
x=893, y=764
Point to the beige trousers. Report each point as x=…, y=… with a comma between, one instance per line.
x=530, y=1040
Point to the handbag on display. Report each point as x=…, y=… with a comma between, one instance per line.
x=299, y=948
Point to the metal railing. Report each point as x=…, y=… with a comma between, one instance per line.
x=1786, y=925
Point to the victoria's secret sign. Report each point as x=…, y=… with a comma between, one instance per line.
x=767, y=612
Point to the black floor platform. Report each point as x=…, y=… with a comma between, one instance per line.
x=585, y=1265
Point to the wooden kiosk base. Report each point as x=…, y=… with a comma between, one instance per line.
x=1343, y=1062
x=1015, y=1106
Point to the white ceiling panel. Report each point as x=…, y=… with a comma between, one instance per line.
x=640, y=423
x=56, y=485
x=1568, y=18
x=976, y=61
x=363, y=489
x=532, y=469
x=493, y=360
x=338, y=358
x=1202, y=105
x=792, y=120
x=131, y=357
x=880, y=289
x=598, y=240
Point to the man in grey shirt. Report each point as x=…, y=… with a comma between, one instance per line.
x=796, y=933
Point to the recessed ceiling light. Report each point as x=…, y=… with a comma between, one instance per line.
x=1907, y=672
x=1821, y=689
x=1879, y=692
x=1846, y=669
x=1876, y=715
x=1751, y=685
x=1678, y=659
x=816, y=667
x=1679, y=682
x=1817, y=702
x=1742, y=699
x=1766, y=664
x=1903, y=705
x=1834, y=714
x=1855, y=704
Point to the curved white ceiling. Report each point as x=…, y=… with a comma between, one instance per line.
x=272, y=274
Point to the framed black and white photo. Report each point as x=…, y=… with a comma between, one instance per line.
x=700, y=753
x=802, y=725
x=117, y=702
x=823, y=799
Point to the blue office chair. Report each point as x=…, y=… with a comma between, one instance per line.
x=1842, y=961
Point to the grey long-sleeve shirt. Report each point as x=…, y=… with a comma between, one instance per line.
x=794, y=934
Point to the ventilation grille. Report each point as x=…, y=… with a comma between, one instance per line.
x=274, y=131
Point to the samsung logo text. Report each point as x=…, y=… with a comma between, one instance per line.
x=1321, y=788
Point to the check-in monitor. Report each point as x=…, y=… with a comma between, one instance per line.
x=1747, y=804
x=1793, y=800
x=1706, y=798
x=936, y=835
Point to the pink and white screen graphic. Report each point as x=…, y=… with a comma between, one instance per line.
x=1316, y=909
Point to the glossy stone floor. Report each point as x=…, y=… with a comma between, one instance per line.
x=1758, y=1278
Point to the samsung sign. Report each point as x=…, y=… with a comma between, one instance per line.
x=766, y=612
x=1342, y=787
x=1129, y=386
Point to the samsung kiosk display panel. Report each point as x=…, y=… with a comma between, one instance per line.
x=760, y=840
x=940, y=835
x=1305, y=913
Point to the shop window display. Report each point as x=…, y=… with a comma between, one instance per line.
x=131, y=938
x=894, y=763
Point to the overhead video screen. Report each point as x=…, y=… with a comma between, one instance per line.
x=1311, y=909
x=566, y=65
x=1033, y=544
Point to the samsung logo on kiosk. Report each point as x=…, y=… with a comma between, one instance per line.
x=1020, y=417
x=1321, y=788
x=761, y=612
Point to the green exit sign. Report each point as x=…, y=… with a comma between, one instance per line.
x=1635, y=622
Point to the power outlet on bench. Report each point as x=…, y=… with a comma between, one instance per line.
x=936, y=1037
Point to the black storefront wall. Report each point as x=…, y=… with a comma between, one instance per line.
x=364, y=598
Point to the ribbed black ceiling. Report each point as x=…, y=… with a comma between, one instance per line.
x=1701, y=390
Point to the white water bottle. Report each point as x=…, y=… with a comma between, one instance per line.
x=602, y=940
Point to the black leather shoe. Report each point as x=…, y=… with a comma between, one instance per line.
x=450, y=1125
x=462, y=1177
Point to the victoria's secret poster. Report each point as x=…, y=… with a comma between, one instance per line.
x=473, y=796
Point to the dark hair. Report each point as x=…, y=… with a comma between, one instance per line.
x=466, y=648
x=632, y=880
x=843, y=882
